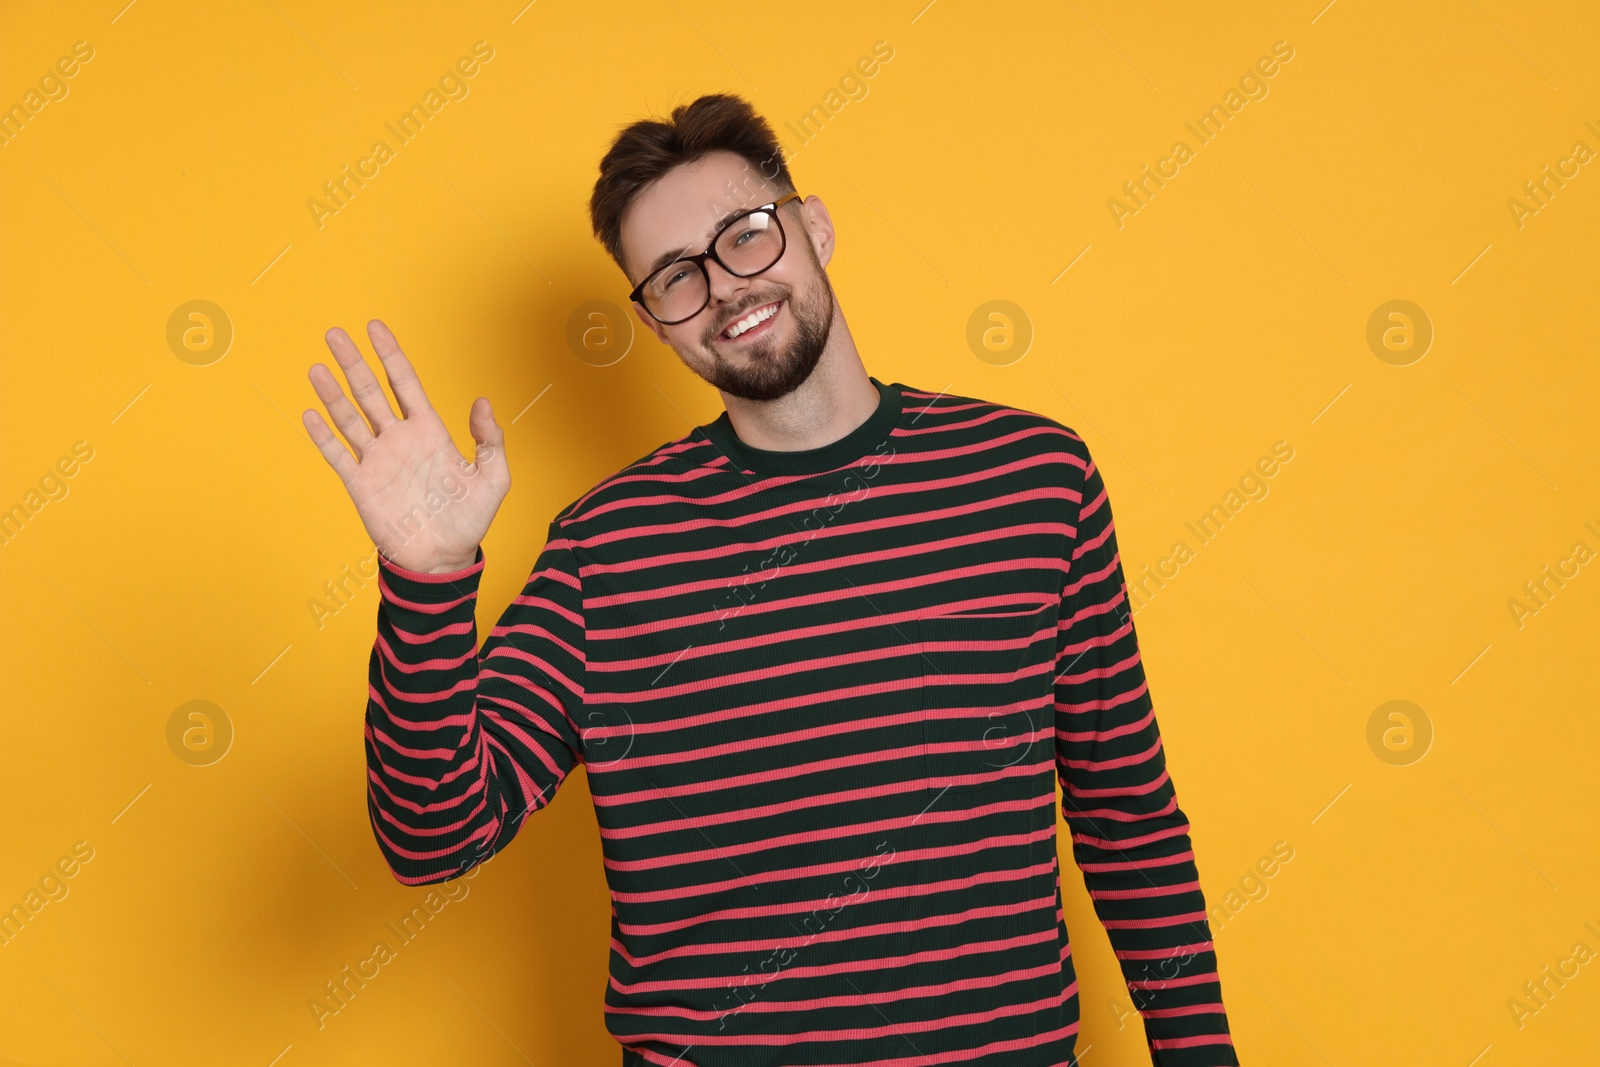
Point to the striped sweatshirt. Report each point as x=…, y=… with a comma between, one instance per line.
x=822, y=699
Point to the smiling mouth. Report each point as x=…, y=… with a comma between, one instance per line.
x=755, y=322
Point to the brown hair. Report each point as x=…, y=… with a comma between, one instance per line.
x=647, y=149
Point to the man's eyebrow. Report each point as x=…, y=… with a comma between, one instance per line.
x=667, y=257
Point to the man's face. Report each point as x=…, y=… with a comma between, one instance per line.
x=679, y=213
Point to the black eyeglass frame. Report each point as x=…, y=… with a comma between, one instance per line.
x=699, y=259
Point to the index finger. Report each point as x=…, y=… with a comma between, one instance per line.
x=403, y=380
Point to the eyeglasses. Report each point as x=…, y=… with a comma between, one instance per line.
x=747, y=244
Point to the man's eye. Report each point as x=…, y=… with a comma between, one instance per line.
x=675, y=277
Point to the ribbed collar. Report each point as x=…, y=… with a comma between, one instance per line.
x=852, y=446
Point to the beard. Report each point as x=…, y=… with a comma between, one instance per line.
x=769, y=369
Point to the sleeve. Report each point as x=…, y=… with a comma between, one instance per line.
x=1129, y=837
x=463, y=744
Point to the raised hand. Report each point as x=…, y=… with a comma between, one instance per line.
x=425, y=505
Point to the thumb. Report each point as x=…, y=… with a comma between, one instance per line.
x=488, y=435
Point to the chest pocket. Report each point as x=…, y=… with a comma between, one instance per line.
x=988, y=688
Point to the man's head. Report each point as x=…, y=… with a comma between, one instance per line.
x=666, y=188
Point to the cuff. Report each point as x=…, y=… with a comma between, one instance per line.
x=405, y=587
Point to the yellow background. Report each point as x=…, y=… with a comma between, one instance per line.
x=1227, y=314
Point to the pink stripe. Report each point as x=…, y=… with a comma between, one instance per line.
x=1125, y=844
x=573, y=687
x=431, y=608
x=454, y=828
x=431, y=854
x=1047, y=833
x=1150, y=891
x=647, y=561
x=920, y=889
x=1095, y=610
x=1174, y=952
x=1089, y=544
x=375, y=780
x=1112, y=734
x=422, y=576
x=436, y=696
x=686, y=447
x=1214, y=1008
x=654, y=532
x=537, y=630
x=737, y=815
x=379, y=696
x=1110, y=670
x=876, y=963
x=883, y=755
x=740, y=644
x=720, y=948
x=919, y=1026
x=820, y=664
x=829, y=833
x=1119, y=815
x=966, y=1056
x=1192, y=1042
x=1152, y=924
x=532, y=687
x=844, y=562
x=447, y=828
x=1137, y=865
x=828, y=596
x=1175, y=983
x=825, y=696
x=1121, y=790
x=1113, y=764
x=767, y=708
x=993, y=413
x=801, y=770
x=414, y=753
x=852, y=1000
x=427, y=637
x=435, y=664
x=522, y=599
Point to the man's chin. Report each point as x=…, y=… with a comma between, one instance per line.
x=758, y=388
x=758, y=377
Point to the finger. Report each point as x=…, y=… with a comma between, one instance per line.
x=337, y=455
x=363, y=383
x=403, y=380
x=344, y=415
x=487, y=433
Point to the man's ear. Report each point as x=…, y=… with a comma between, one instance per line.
x=649, y=322
x=819, y=227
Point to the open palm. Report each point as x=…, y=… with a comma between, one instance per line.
x=424, y=504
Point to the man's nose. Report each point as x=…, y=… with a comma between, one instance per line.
x=725, y=285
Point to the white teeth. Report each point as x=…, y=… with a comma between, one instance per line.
x=755, y=318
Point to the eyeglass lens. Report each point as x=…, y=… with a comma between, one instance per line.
x=748, y=246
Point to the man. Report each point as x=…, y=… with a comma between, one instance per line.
x=823, y=659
